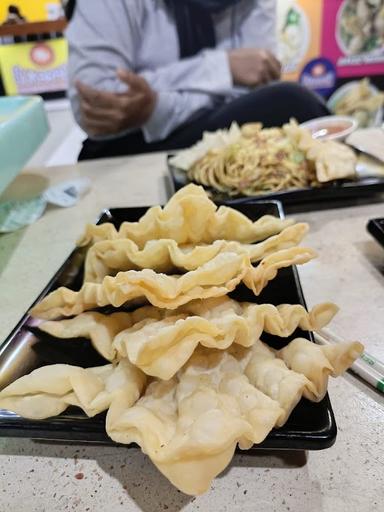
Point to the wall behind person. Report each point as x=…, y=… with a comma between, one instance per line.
x=33, y=10
x=33, y=63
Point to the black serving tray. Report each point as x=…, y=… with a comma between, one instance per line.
x=336, y=193
x=311, y=426
x=376, y=229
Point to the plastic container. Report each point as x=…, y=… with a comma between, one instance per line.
x=23, y=128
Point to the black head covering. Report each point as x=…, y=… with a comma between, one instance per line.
x=194, y=23
x=210, y=5
x=69, y=9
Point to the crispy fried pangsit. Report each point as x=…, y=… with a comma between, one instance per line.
x=190, y=377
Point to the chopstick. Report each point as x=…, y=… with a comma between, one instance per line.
x=368, y=367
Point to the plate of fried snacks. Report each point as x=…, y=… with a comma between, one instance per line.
x=181, y=330
x=360, y=100
x=285, y=163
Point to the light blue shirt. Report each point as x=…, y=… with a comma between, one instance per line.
x=139, y=35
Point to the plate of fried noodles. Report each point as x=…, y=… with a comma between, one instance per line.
x=284, y=163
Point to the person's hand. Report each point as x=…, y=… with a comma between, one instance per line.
x=251, y=67
x=106, y=113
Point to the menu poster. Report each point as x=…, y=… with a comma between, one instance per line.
x=299, y=34
x=353, y=36
x=325, y=43
x=34, y=68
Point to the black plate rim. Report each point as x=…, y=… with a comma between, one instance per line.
x=375, y=227
x=347, y=189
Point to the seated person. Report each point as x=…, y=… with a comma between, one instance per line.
x=14, y=16
x=152, y=75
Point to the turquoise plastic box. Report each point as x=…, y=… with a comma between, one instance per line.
x=23, y=128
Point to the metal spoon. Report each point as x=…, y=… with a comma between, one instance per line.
x=320, y=133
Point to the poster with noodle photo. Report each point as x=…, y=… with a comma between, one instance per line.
x=353, y=36
x=328, y=43
x=298, y=32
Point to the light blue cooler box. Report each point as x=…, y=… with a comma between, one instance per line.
x=23, y=128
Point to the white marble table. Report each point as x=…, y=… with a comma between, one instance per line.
x=349, y=477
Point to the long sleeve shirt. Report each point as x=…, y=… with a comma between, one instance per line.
x=141, y=36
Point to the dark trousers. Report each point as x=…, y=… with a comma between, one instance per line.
x=272, y=105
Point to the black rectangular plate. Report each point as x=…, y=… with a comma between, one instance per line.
x=336, y=192
x=376, y=229
x=311, y=426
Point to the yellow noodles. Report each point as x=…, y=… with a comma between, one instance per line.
x=273, y=159
x=260, y=161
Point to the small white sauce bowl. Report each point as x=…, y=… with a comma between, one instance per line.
x=331, y=127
